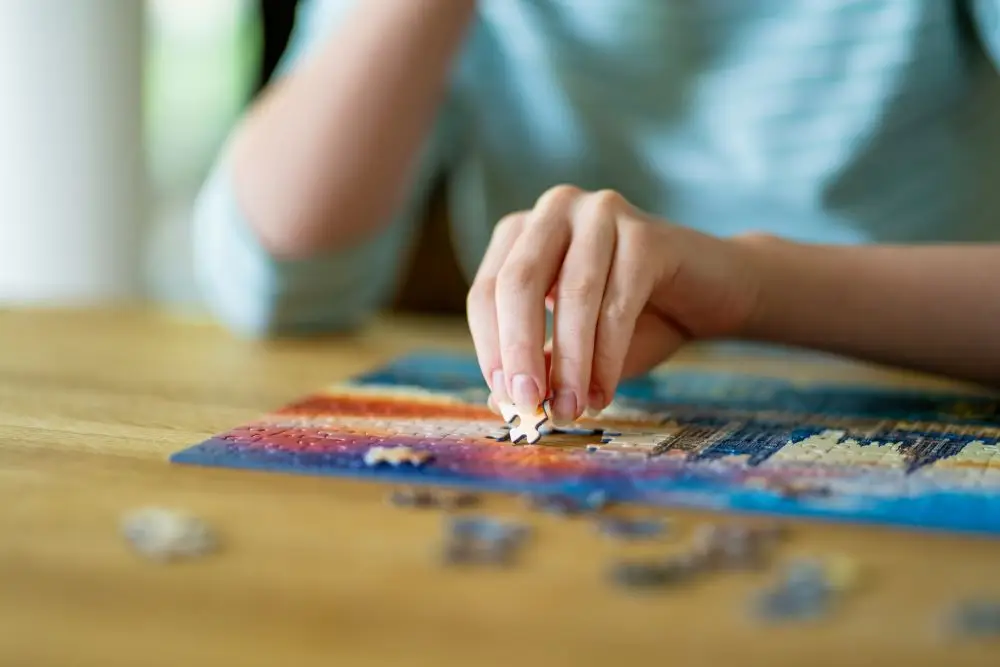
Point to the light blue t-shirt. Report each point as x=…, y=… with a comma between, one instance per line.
x=843, y=121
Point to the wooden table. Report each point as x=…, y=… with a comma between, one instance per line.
x=322, y=572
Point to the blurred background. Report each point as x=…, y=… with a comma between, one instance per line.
x=205, y=60
x=106, y=140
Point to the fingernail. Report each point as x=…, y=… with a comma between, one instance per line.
x=499, y=387
x=564, y=407
x=596, y=400
x=525, y=391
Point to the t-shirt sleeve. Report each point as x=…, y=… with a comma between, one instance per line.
x=257, y=295
x=985, y=15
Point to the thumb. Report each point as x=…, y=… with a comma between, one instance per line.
x=654, y=341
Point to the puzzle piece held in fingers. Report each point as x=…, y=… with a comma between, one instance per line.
x=524, y=425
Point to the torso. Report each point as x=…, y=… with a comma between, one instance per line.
x=822, y=120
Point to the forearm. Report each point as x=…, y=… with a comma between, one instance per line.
x=928, y=308
x=323, y=158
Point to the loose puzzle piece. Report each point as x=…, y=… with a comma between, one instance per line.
x=978, y=618
x=396, y=456
x=713, y=548
x=631, y=529
x=734, y=546
x=669, y=571
x=524, y=425
x=165, y=535
x=805, y=592
x=483, y=540
x=426, y=498
x=567, y=505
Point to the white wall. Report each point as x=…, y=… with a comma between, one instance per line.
x=111, y=112
x=202, y=61
x=71, y=150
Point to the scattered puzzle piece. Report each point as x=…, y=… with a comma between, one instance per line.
x=524, y=425
x=734, y=546
x=804, y=593
x=396, y=456
x=713, y=548
x=166, y=535
x=977, y=619
x=488, y=529
x=631, y=529
x=653, y=574
x=480, y=540
x=425, y=498
x=567, y=505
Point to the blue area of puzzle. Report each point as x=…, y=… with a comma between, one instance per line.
x=705, y=398
x=706, y=390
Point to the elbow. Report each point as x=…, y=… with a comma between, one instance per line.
x=229, y=265
x=289, y=241
x=265, y=291
x=301, y=231
x=229, y=293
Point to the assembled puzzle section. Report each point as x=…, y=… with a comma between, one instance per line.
x=708, y=440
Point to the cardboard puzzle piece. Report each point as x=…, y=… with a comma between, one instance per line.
x=524, y=425
x=432, y=499
x=165, y=535
x=483, y=540
x=499, y=434
x=631, y=529
x=808, y=589
x=977, y=618
x=643, y=441
x=396, y=456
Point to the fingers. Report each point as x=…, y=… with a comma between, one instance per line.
x=481, y=306
x=491, y=400
x=521, y=286
x=587, y=259
x=578, y=296
x=630, y=284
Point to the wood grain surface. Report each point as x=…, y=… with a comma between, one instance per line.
x=323, y=572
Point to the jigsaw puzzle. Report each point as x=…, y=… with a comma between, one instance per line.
x=706, y=440
x=524, y=427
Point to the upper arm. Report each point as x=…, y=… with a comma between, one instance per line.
x=314, y=21
x=257, y=294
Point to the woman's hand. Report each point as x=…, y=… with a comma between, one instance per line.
x=625, y=289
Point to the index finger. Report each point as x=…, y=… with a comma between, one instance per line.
x=480, y=306
x=522, y=285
